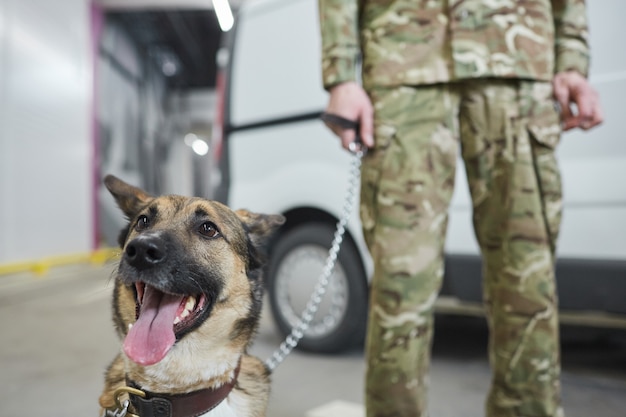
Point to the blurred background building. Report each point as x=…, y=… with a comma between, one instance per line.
x=90, y=88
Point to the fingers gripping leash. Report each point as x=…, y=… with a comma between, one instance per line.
x=297, y=333
x=346, y=124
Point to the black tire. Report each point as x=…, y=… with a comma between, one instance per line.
x=300, y=254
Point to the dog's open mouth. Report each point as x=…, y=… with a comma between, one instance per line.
x=161, y=319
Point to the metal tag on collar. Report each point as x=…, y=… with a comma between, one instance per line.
x=122, y=408
x=118, y=412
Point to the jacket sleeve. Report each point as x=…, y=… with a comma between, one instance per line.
x=571, y=36
x=340, y=40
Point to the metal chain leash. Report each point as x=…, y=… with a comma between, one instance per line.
x=297, y=333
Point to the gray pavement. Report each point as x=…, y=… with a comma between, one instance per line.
x=57, y=339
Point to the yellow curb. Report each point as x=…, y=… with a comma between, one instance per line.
x=42, y=266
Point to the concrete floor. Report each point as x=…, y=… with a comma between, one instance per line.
x=57, y=339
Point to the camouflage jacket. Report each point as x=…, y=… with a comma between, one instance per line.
x=411, y=42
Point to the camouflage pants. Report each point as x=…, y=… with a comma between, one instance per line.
x=507, y=132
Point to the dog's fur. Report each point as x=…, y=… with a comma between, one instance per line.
x=190, y=246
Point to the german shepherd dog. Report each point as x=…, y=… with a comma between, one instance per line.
x=186, y=304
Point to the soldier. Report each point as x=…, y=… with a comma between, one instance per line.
x=484, y=76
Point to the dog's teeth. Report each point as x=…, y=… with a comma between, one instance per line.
x=187, y=309
x=191, y=303
x=130, y=326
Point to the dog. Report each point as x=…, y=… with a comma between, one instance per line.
x=186, y=304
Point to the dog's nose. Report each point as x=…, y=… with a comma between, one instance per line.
x=145, y=252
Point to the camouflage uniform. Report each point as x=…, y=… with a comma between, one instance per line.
x=475, y=75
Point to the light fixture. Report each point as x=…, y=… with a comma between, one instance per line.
x=200, y=147
x=224, y=14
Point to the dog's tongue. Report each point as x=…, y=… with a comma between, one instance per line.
x=152, y=336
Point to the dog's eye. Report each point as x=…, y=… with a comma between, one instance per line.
x=208, y=229
x=142, y=223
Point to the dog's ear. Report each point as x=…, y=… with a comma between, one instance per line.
x=259, y=226
x=130, y=199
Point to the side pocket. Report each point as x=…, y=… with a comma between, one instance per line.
x=544, y=121
x=371, y=169
x=545, y=133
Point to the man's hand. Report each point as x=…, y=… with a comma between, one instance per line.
x=570, y=87
x=350, y=101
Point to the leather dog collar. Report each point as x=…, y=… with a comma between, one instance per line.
x=192, y=404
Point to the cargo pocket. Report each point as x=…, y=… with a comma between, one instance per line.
x=545, y=134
